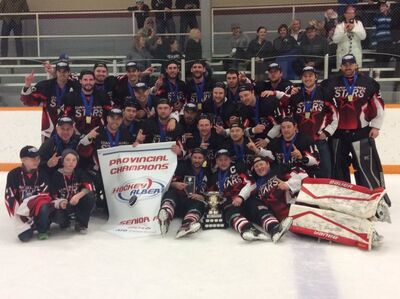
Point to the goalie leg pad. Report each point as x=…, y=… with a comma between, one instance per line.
x=332, y=226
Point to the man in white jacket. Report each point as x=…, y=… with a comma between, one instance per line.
x=348, y=36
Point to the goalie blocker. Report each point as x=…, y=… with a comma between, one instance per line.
x=339, y=211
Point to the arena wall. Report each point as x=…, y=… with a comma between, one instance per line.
x=21, y=126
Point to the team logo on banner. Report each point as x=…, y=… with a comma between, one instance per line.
x=145, y=187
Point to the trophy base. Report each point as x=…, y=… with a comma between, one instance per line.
x=214, y=221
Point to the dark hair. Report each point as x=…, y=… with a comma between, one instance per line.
x=220, y=85
x=100, y=64
x=232, y=71
x=283, y=26
x=261, y=27
x=86, y=72
x=289, y=119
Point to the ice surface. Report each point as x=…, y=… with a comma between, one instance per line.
x=209, y=264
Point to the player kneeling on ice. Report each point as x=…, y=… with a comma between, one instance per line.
x=340, y=212
x=273, y=191
x=27, y=200
x=73, y=193
x=184, y=197
x=233, y=182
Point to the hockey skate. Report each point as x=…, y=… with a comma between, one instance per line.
x=79, y=228
x=253, y=234
x=188, y=228
x=280, y=230
x=382, y=212
x=164, y=221
x=376, y=239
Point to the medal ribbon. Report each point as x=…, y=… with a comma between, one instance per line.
x=350, y=88
x=88, y=105
x=222, y=175
x=113, y=141
x=287, y=150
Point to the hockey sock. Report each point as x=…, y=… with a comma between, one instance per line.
x=191, y=216
x=268, y=222
x=170, y=207
x=239, y=223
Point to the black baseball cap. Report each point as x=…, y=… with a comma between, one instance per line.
x=258, y=159
x=191, y=107
x=309, y=69
x=220, y=85
x=222, y=152
x=246, y=87
x=349, y=58
x=237, y=125
x=131, y=64
x=65, y=120
x=62, y=65
x=140, y=85
x=199, y=150
x=129, y=103
x=29, y=151
x=115, y=112
x=274, y=66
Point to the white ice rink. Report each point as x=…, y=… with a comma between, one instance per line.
x=210, y=264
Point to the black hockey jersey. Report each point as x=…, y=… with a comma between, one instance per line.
x=66, y=186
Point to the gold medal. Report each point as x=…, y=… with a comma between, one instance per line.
x=350, y=98
x=58, y=111
x=307, y=114
x=199, y=106
x=88, y=120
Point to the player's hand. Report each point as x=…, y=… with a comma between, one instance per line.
x=29, y=79
x=74, y=200
x=374, y=133
x=322, y=136
x=53, y=161
x=294, y=90
x=148, y=71
x=219, y=129
x=171, y=125
x=179, y=185
x=159, y=82
x=63, y=204
x=203, y=144
x=140, y=137
x=268, y=93
x=296, y=153
x=49, y=69
x=233, y=119
x=93, y=133
x=251, y=146
x=283, y=186
x=176, y=149
x=237, y=201
x=149, y=112
x=196, y=196
x=261, y=143
x=258, y=129
x=178, y=106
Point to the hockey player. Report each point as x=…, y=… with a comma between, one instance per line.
x=129, y=121
x=276, y=81
x=291, y=149
x=73, y=194
x=232, y=181
x=232, y=82
x=199, y=86
x=316, y=117
x=268, y=205
x=260, y=116
x=102, y=81
x=49, y=94
x=361, y=112
x=188, y=122
x=238, y=145
x=222, y=110
x=64, y=138
x=145, y=105
x=87, y=107
x=124, y=87
x=180, y=202
x=27, y=198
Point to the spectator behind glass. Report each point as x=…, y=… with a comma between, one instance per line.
x=348, y=36
x=164, y=20
x=260, y=48
x=331, y=20
x=295, y=30
x=239, y=42
x=173, y=52
x=285, y=45
x=12, y=23
x=312, y=44
x=193, y=49
x=141, y=14
x=187, y=19
x=383, y=33
x=139, y=53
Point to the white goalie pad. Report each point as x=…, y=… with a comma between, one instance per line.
x=333, y=226
x=340, y=196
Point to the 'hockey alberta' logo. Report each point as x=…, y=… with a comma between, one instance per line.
x=139, y=188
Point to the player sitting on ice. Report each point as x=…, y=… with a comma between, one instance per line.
x=271, y=196
x=340, y=212
x=232, y=181
x=182, y=202
x=27, y=200
x=73, y=194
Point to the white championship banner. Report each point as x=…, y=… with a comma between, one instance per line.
x=135, y=179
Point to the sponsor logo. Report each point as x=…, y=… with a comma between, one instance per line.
x=141, y=188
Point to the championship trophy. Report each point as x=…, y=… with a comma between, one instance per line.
x=213, y=218
x=190, y=181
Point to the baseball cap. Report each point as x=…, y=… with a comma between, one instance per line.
x=140, y=85
x=65, y=120
x=246, y=87
x=237, y=125
x=100, y=64
x=349, y=58
x=115, y=112
x=222, y=152
x=29, y=151
x=308, y=69
x=68, y=151
x=274, y=66
x=258, y=159
x=191, y=107
x=199, y=150
x=163, y=101
x=131, y=64
x=220, y=85
x=62, y=64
